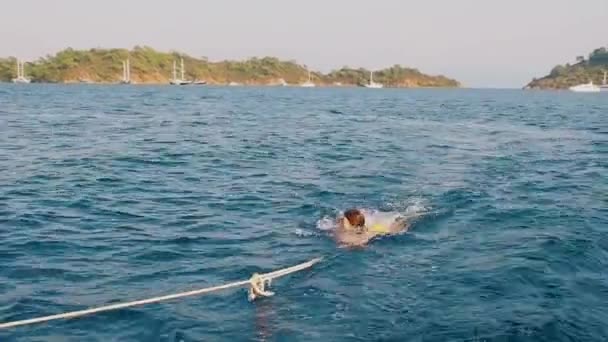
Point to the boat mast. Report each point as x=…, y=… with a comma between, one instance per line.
x=182, y=69
x=174, y=71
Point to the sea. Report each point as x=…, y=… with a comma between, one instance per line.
x=118, y=193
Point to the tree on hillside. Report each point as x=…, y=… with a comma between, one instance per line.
x=558, y=70
x=599, y=57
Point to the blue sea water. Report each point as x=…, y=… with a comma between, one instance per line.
x=114, y=193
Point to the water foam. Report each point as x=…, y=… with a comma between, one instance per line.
x=410, y=208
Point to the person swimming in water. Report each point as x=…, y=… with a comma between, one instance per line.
x=353, y=230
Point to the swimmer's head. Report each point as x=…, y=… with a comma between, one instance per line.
x=353, y=218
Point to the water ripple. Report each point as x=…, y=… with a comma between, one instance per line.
x=114, y=193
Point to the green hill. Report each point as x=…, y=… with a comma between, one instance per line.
x=395, y=76
x=149, y=66
x=583, y=71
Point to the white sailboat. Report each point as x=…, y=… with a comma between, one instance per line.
x=126, y=72
x=181, y=80
x=585, y=88
x=604, y=86
x=21, y=73
x=371, y=83
x=309, y=83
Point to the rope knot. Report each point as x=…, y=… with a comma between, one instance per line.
x=258, y=287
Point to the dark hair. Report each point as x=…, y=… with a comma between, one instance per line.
x=355, y=217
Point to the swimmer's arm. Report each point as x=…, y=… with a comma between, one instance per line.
x=347, y=238
x=400, y=225
x=340, y=223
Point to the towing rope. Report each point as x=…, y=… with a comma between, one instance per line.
x=257, y=284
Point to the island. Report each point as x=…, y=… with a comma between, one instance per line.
x=584, y=70
x=145, y=65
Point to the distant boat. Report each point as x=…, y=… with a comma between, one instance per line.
x=21, y=73
x=371, y=83
x=126, y=72
x=309, y=83
x=181, y=80
x=199, y=82
x=234, y=84
x=585, y=88
x=604, y=86
x=282, y=82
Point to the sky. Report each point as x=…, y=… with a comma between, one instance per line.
x=482, y=43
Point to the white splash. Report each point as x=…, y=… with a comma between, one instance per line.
x=326, y=223
x=303, y=233
x=411, y=208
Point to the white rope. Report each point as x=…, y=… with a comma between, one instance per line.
x=254, y=282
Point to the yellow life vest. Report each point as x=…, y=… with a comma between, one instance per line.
x=379, y=228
